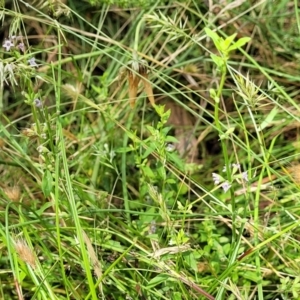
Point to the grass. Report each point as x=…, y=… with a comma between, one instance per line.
x=108, y=195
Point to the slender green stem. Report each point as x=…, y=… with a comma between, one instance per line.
x=56, y=196
x=224, y=145
x=69, y=190
x=228, y=171
x=124, y=168
x=128, y=124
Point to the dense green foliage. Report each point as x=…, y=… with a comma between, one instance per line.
x=149, y=150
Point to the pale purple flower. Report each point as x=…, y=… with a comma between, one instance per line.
x=245, y=176
x=21, y=46
x=170, y=148
x=216, y=178
x=226, y=186
x=7, y=44
x=40, y=149
x=236, y=166
x=37, y=103
x=152, y=227
x=32, y=62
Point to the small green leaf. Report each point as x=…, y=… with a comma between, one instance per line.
x=148, y=172
x=217, y=60
x=177, y=296
x=240, y=43
x=183, y=189
x=161, y=278
x=124, y=149
x=227, y=133
x=47, y=183
x=191, y=261
x=213, y=95
x=171, y=139
x=161, y=173
x=252, y=276
x=230, y=130
x=147, y=218
x=151, y=129
x=131, y=135
x=268, y=120
x=171, y=181
x=296, y=281
x=165, y=130
x=114, y=245
x=148, y=152
x=295, y=294
x=176, y=159
x=226, y=43
x=160, y=109
x=214, y=36
x=45, y=206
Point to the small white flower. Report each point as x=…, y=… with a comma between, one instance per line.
x=236, y=166
x=170, y=148
x=37, y=103
x=42, y=149
x=245, y=176
x=8, y=44
x=226, y=186
x=152, y=227
x=21, y=46
x=32, y=62
x=216, y=178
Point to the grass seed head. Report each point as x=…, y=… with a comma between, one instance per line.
x=25, y=253
x=295, y=172
x=28, y=132
x=148, y=88
x=13, y=193
x=133, y=82
x=249, y=91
